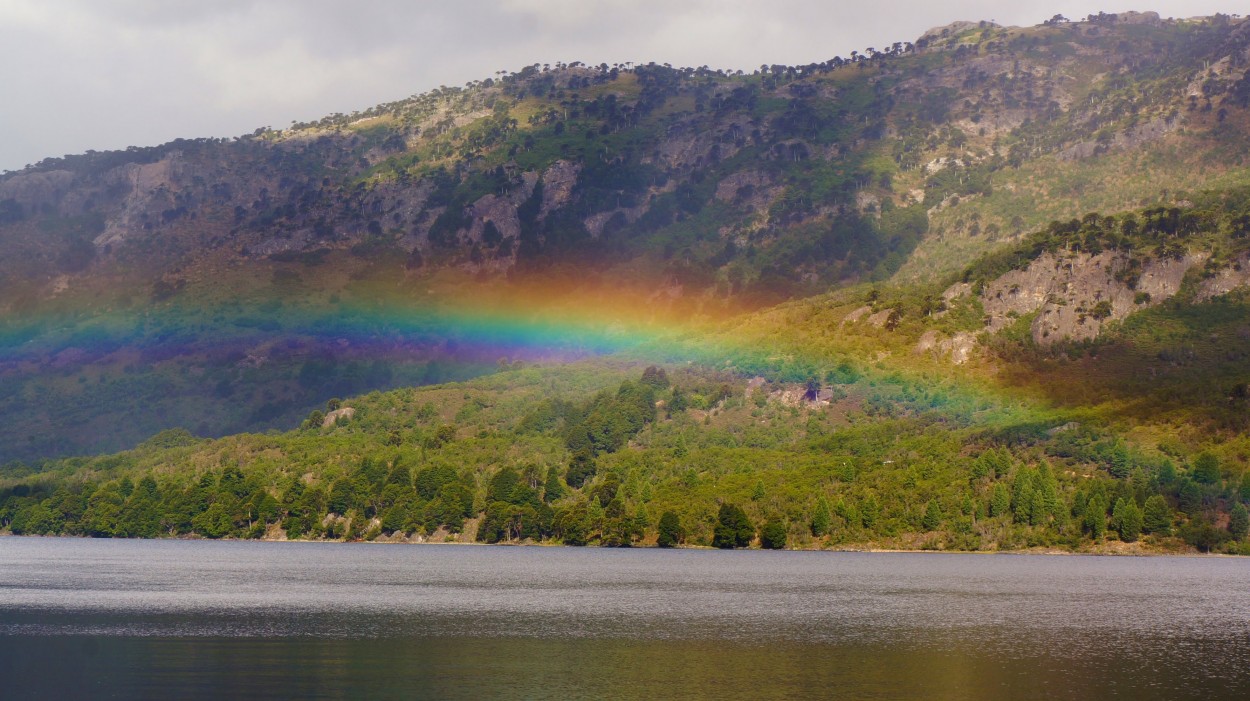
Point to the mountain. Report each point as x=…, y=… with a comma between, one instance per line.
x=871, y=297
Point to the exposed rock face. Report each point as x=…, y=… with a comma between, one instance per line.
x=753, y=191
x=36, y=189
x=596, y=223
x=958, y=348
x=402, y=202
x=937, y=165
x=296, y=241
x=332, y=418
x=748, y=186
x=1075, y=294
x=501, y=213
x=866, y=201
x=558, y=182
x=956, y=291
x=1131, y=17
x=501, y=210
x=688, y=146
x=1225, y=281
x=948, y=29
x=754, y=384
x=855, y=315
x=880, y=318
x=151, y=187
x=1129, y=138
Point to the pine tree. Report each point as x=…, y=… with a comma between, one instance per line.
x=733, y=529
x=1000, y=500
x=1022, y=495
x=773, y=535
x=670, y=531
x=1117, y=513
x=1238, y=521
x=848, y=513
x=1038, y=508
x=1157, y=517
x=1206, y=468
x=821, y=518
x=552, y=489
x=870, y=510
x=1096, y=516
x=1048, y=486
x=758, y=493
x=1190, y=497
x=1118, y=461
x=932, y=516
x=1129, y=521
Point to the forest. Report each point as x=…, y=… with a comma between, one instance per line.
x=687, y=457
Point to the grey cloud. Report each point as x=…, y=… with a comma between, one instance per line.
x=90, y=74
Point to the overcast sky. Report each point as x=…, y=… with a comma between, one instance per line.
x=106, y=74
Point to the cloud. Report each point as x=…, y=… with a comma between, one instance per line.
x=83, y=74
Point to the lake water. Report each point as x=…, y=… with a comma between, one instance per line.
x=201, y=619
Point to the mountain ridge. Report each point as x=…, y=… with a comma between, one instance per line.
x=860, y=290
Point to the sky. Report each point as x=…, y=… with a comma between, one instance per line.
x=78, y=75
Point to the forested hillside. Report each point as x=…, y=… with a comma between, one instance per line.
x=982, y=290
x=220, y=285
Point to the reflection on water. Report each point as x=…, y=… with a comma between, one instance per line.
x=136, y=619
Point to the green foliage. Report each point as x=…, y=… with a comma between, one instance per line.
x=932, y=516
x=773, y=535
x=733, y=528
x=1190, y=498
x=1203, y=535
x=1096, y=516
x=821, y=518
x=553, y=490
x=1126, y=519
x=991, y=477
x=1000, y=500
x=671, y=533
x=1157, y=516
x=1238, y=521
x=1206, y=468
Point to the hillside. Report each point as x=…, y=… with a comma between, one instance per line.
x=194, y=283
x=983, y=290
x=863, y=418
x=813, y=452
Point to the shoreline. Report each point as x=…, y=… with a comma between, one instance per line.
x=1040, y=552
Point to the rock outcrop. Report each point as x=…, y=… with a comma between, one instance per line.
x=1225, y=280
x=1075, y=295
x=558, y=182
x=345, y=413
x=958, y=349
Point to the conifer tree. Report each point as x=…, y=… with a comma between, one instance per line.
x=1206, y=468
x=670, y=531
x=733, y=529
x=1000, y=500
x=773, y=535
x=821, y=518
x=1157, y=516
x=1127, y=518
x=1238, y=521
x=1096, y=516
x=932, y=516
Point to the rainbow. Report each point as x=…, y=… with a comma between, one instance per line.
x=387, y=341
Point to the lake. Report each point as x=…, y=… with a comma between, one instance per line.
x=207, y=619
